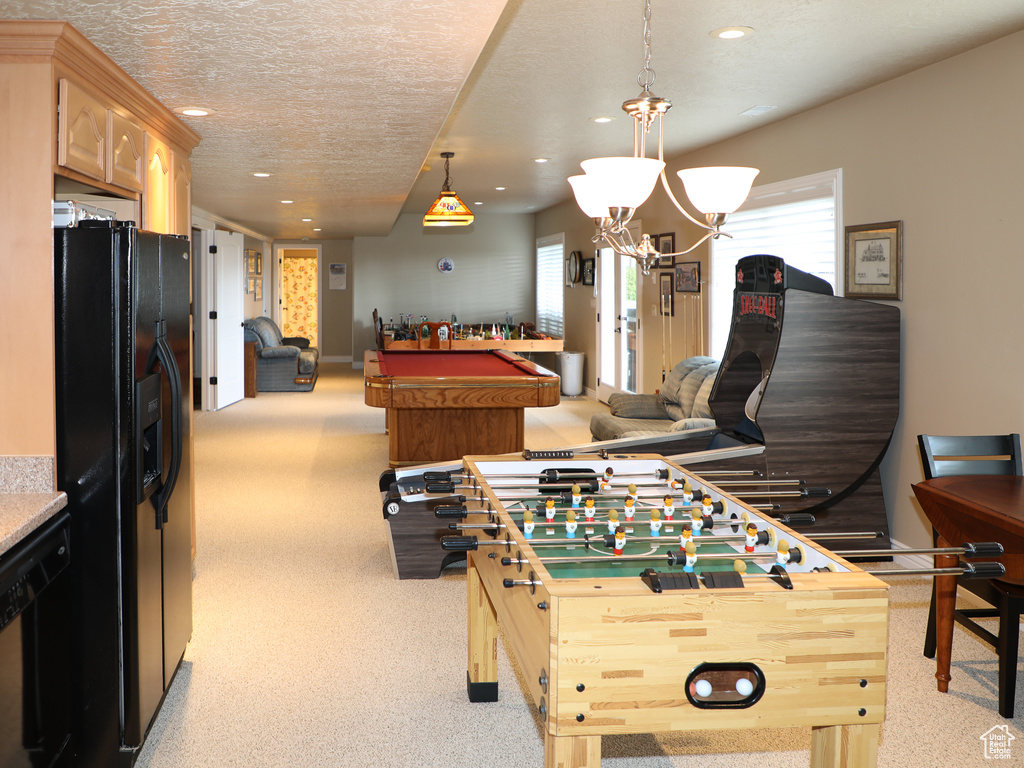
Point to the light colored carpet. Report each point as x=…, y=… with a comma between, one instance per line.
x=307, y=652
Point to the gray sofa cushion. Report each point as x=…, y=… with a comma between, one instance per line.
x=637, y=406
x=266, y=329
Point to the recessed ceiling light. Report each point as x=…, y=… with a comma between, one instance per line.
x=540, y=159
x=261, y=175
x=307, y=219
x=601, y=119
x=756, y=111
x=287, y=202
x=195, y=111
x=317, y=229
x=500, y=189
x=732, y=33
x=479, y=202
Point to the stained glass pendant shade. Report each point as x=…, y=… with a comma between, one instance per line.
x=448, y=210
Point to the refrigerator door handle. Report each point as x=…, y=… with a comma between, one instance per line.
x=163, y=354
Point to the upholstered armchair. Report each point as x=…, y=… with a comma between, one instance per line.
x=283, y=364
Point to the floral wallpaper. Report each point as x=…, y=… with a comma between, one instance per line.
x=298, y=317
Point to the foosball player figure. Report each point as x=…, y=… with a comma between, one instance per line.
x=687, y=493
x=613, y=520
x=588, y=509
x=686, y=536
x=670, y=507
x=782, y=556
x=655, y=523
x=528, y=524
x=750, y=539
x=606, y=481
x=570, y=525
x=707, y=507
x=620, y=540
x=691, y=556
x=576, y=497
x=629, y=508
x=740, y=566
x=549, y=509
x=696, y=524
x=631, y=492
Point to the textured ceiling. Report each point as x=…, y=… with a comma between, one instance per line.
x=342, y=101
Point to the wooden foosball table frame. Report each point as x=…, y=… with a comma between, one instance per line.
x=611, y=656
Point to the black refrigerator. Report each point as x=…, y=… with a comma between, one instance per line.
x=123, y=347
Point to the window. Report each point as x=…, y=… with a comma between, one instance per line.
x=796, y=220
x=550, y=277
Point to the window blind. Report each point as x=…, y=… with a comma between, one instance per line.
x=550, y=266
x=795, y=220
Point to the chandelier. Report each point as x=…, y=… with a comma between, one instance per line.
x=612, y=188
x=448, y=210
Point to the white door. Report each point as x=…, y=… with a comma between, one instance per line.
x=618, y=328
x=224, y=323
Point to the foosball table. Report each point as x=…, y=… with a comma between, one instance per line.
x=683, y=609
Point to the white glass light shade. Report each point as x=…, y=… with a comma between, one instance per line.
x=719, y=189
x=586, y=196
x=622, y=182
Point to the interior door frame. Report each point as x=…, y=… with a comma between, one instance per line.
x=279, y=283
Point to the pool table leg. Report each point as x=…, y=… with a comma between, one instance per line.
x=845, y=746
x=482, y=675
x=572, y=751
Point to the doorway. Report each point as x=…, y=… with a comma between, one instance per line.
x=618, y=325
x=300, y=292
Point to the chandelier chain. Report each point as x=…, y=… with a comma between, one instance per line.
x=647, y=76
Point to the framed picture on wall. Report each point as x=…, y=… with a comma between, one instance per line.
x=874, y=261
x=665, y=243
x=668, y=296
x=688, y=277
x=259, y=263
x=250, y=285
x=259, y=289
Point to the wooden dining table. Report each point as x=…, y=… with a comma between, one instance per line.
x=971, y=508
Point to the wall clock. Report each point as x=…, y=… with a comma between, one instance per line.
x=575, y=266
x=445, y=265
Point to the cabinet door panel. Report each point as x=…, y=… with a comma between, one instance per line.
x=182, y=194
x=82, y=128
x=125, y=163
x=156, y=193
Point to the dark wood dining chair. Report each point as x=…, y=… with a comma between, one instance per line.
x=944, y=455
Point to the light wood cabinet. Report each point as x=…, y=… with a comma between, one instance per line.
x=156, y=199
x=70, y=114
x=125, y=139
x=82, y=131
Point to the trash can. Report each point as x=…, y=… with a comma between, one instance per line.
x=571, y=365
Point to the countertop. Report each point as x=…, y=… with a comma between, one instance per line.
x=26, y=497
x=22, y=513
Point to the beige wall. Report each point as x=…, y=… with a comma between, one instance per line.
x=939, y=149
x=494, y=273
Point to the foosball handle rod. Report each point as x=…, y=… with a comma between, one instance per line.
x=964, y=571
x=446, y=511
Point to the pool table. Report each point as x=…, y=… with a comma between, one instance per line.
x=443, y=405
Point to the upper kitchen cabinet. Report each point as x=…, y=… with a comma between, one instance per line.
x=69, y=116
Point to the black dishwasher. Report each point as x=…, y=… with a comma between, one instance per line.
x=35, y=719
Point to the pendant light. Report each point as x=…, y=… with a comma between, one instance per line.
x=612, y=188
x=448, y=210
